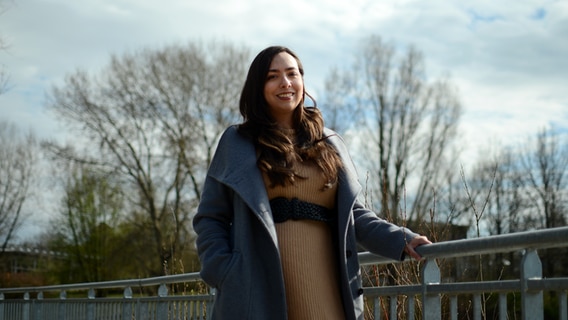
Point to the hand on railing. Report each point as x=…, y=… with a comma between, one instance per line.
x=415, y=242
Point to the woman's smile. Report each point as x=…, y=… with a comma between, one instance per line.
x=284, y=88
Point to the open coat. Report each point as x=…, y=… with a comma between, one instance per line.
x=238, y=246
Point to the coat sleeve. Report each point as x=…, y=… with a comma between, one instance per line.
x=212, y=223
x=372, y=233
x=378, y=235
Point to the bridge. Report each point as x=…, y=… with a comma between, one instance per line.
x=432, y=297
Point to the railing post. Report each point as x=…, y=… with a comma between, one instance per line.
x=477, y=306
x=377, y=307
x=562, y=308
x=532, y=301
x=502, y=306
x=62, y=313
x=162, y=310
x=430, y=275
x=39, y=306
x=411, y=306
x=2, y=302
x=127, y=304
x=211, y=302
x=91, y=294
x=26, y=307
x=453, y=307
x=393, y=304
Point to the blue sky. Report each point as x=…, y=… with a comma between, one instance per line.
x=507, y=58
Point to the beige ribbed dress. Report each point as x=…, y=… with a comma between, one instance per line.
x=309, y=261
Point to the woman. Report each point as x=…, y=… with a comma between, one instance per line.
x=279, y=222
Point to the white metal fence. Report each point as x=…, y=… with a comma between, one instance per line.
x=163, y=305
x=33, y=303
x=530, y=285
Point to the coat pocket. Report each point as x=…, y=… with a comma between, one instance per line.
x=233, y=294
x=230, y=269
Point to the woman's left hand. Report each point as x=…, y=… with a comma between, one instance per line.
x=415, y=242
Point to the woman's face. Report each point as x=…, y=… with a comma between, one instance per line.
x=284, y=88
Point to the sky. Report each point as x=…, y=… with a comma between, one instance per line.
x=508, y=59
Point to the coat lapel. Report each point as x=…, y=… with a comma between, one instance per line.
x=234, y=167
x=349, y=186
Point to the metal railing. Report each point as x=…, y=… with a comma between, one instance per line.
x=530, y=284
x=32, y=303
x=161, y=305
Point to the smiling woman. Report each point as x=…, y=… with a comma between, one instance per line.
x=279, y=222
x=284, y=88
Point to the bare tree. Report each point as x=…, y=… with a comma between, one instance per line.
x=496, y=195
x=524, y=189
x=4, y=77
x=546, y=182
x=18, y=161
x=546, y=186
x=153, y=118
x=497, y=183
x=340, y=103
x=403, y=128
x=406, y=127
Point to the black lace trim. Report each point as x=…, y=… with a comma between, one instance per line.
x=284, y=209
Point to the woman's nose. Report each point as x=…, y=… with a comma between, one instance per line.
x=285, y=82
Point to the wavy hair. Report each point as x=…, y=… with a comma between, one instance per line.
x=278, y=154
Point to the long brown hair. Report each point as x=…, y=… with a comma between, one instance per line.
x=278, y=154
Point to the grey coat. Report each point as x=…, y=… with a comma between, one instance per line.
x=238, y=246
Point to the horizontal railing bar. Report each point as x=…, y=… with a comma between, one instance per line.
x=366, y=258
x=392, y=290
x=546, y=238
x=197, y=297
x=474, y=287
x=184, y=298
x=447, y=288
x=471, y=287
x=185, y=277
x=549, y=284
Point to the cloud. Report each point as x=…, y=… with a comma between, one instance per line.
x=508, y=58
x=509, y=50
